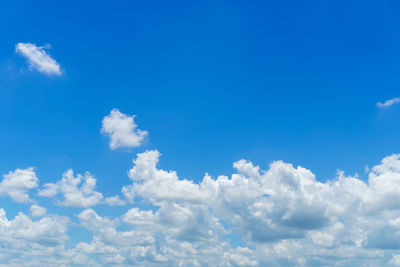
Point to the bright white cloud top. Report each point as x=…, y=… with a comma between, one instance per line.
x=17, y=184
x=122, y=130
x=77, y=191
x=389, y=102
x=38, y=58
x=279, y=216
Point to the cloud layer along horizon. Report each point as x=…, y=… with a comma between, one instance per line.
x=282, y=216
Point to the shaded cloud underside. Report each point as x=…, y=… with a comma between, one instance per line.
x=281, y=216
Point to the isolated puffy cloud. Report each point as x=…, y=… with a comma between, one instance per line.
x=16, y=184
x=38, y=58
x=122, y=130
x=77, y=191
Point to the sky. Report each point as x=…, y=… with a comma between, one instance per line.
x=208, y=133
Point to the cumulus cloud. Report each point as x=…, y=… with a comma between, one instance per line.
x=77, y=191
x=278, y=216
x=37, y=210
x=114, y=201
x=159, y=185
x=17, y=184
x=141, y=245
x=21, y=238
x=280, y=212
x=389, y=102
x=38, y=58
x=395, y=261
x=122, y=130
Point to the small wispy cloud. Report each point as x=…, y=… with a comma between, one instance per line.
x=389, y=102
x=38, y=58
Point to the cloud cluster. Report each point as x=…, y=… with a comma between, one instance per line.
x=22, y=238
x=280, y=216
x=77, y=191
x=38, y=58
x=122, y=130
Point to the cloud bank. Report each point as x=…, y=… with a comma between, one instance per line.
x=77, y=191
x=38, y=58
x=281, y=216
x=277, y=216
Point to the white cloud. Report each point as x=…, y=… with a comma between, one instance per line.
x=159, y=185
x=38, y=58
x=280, y=216
x=77, y=191
x=240, y=260
x=22, y=238
x=17, y=184
x=114, y=201
x=395, y=261
x=122, y=130
x=282, y=212
x=37, y=210
x=152, y=241
x=389, y=102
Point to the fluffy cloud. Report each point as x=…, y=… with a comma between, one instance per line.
x=17, y=184
x=283, y=212
x=114, y=201
x=281, y=216
x=395, y=261
x=122, y=130
x=389, y=102
x=21, y=238
x=159, y=185
x=282, y=203
x=77, y=191
x=38, y=58
x=37, y=210
x=153, y=241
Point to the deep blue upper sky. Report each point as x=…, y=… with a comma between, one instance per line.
x=212, y=82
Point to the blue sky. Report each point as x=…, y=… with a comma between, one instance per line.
x=212, y=82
